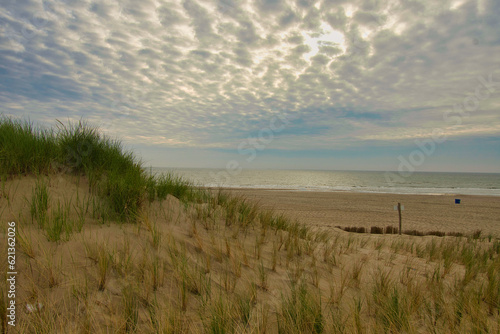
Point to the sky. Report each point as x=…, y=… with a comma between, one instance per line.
x=304, y=84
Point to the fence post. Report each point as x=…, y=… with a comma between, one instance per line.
x=399, y=211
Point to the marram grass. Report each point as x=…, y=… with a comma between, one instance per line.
x=80, y=149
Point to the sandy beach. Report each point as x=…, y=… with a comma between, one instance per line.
x=421, y=212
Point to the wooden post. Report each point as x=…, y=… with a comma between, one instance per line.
x=399, y=211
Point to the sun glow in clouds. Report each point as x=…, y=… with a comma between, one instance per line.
x=327, y=36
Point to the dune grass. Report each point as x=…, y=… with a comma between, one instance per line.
x=79, y=149
x=25, y=149
x=39, y=203
x=301, y=312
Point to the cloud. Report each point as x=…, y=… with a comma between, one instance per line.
x=207, y=74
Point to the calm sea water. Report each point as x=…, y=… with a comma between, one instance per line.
x=359, y=181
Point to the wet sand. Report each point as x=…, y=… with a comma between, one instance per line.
x=421, y=212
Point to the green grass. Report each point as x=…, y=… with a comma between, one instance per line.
x=39, y=203
x=394, y=312
x=301, y=312
x=114, y=174
x=103, y=264
x=173, y=185
x=58, y=224
x=130, y=308
x=25, y=149
x=245, y=305
x=220, y=320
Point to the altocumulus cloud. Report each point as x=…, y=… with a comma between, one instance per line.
x=208, y=74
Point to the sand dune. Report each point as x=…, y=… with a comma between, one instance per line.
x=226, y=266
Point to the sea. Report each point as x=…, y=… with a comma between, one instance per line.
x=433, y=183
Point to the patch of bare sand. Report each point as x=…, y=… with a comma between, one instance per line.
x=421, y=212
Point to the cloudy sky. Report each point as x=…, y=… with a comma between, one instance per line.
x=304, y=84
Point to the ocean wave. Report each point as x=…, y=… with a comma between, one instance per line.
x=368, y=189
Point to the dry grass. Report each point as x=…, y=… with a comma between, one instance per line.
x=222, y=265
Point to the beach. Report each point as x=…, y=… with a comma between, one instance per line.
x=421, y=212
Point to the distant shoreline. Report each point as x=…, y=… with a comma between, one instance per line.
x=309, y=190
x=344, y=181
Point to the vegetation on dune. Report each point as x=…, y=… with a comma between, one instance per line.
x=79, y=149
x=25, y=149
x=190, y=260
